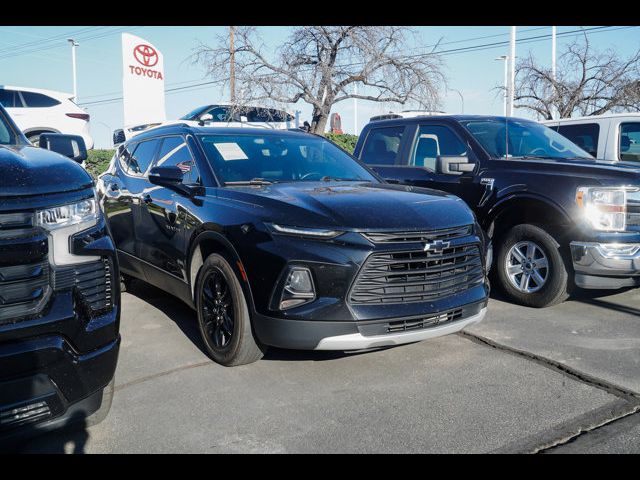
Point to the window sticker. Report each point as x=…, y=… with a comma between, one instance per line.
x=231, y=151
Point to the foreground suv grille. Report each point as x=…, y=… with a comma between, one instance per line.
x=24, y=268
x=417, y=275
x=408, y=237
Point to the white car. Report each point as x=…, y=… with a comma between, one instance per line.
x=406, y=114
x=37, y=111
x=220, y=115
x=614, y=137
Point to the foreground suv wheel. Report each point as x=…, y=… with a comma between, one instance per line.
x=530, y=267
x=223, y=315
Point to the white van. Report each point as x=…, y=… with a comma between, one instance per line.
x=613, y=137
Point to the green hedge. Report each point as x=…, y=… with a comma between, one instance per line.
x=98, y=161
x=344, y=140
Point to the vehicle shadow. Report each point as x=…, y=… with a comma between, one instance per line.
x=70, y=438
x=597, y=298
x=186, y=320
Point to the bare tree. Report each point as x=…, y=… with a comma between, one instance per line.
x=587, y=83
x=319, y=66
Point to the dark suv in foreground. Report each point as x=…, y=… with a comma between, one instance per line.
x=59, y=294
x=555, y=213
x=281, y=238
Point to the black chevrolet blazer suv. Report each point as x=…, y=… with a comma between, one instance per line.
x=59, y=289
x=557, y=217
x=281, y=238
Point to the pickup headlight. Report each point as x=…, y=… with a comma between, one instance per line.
x=304, y=232
x=65, y=221
x=605, y=209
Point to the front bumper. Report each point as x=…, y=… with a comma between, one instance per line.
x=357, y=335
x=606, y=265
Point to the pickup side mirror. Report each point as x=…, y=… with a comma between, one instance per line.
x=454, y=165
x=71, y=146
x=204, y=118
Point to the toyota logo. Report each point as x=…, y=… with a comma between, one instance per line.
x=146, y=55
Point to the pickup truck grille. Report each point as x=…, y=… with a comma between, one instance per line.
x=417, y=275
x=633, y=209
x=93, y=283
x=24, y=267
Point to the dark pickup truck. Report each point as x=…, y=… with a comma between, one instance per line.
x=557, y=217
x=59, y=289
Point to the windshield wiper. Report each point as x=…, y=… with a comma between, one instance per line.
x=253, y=181
x=337, y=179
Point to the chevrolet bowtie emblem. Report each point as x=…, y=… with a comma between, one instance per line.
x=437, y=247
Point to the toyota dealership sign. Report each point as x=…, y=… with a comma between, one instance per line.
x=142, y=81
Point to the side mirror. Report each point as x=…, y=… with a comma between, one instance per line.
x=204, y=118
x=169, y=177
x=454, y=165
x=71, y=146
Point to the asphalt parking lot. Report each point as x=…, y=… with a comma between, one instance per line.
x=563, y=379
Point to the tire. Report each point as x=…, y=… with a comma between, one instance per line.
x=226, y=332
x=515, y=262
x=107, y=398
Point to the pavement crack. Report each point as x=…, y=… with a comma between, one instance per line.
x=585, y=430
x=160, y=374
x=628, y=403
x=613, y=389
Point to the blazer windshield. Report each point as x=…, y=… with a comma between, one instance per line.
x=280, y=158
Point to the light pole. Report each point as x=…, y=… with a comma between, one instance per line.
x=512, y=70
x=553, y=69
x=355, y=110
x=74, y=44
x=461, y=98
x=505, y=59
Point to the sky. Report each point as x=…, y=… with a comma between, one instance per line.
x=40, y=57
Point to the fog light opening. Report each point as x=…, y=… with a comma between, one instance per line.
x=298, y=288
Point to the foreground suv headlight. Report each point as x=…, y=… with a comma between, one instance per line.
x=605, y=209
x=62, y=223
x=304, y=232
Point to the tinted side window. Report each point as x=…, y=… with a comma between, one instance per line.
x=8, y=98
x=630, y=142
x=142, y=157
x=219, y=114
x=434, y=140
x=174, y=152
x=382, y=145
x=38, y=100
x=585, y=136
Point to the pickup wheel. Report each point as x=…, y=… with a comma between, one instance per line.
x=223, y=315
x=530, y=267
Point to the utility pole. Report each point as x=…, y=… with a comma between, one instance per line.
x=554, y=110
x=232, y=66
x=505, y=59
x=74, y=44
x=512, y=70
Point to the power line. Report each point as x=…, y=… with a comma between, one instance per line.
x=470, y=48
